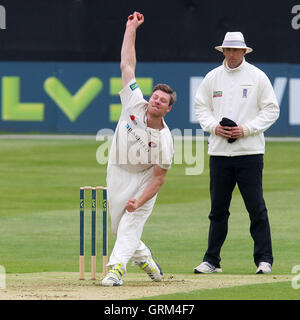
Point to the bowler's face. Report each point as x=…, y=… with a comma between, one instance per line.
x=159, y=103
x=234, y=56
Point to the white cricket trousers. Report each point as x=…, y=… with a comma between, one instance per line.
x=123, y=185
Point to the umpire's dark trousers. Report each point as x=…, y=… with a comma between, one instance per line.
x=246, y=171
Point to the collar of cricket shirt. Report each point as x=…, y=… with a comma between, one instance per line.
x=239, y=68
x=145, y=122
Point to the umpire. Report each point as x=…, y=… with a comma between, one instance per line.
x=236, y=103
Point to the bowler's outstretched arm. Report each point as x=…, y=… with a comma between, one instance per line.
x=128, y=56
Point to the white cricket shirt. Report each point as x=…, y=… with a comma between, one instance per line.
x=136, y=147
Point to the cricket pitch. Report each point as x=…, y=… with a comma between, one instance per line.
x=67, y=286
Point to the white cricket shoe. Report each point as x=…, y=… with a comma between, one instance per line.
x=206, y=267
x=264, y=268
x=151, y=268
x=114, y=277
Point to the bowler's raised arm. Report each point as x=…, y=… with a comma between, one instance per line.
x=128, y=56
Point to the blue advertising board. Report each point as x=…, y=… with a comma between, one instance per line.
x=69, y=97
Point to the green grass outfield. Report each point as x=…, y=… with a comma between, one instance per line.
x=39, y=215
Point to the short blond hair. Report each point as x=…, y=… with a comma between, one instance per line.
x=167, y=89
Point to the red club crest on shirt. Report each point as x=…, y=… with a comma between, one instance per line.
x=132, y=117
x=152, y=144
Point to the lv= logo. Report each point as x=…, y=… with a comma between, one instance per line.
x=71, y=105
x=74, y=105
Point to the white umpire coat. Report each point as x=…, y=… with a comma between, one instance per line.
x=244, y=95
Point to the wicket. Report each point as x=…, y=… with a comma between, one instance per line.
x=93, y=231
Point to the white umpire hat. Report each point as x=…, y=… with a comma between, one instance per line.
x=234, y=40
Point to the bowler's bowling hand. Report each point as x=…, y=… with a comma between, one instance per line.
x=132, y=205
x=135, y=19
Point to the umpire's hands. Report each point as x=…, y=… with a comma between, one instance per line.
x=237, y=132
x=229, y=132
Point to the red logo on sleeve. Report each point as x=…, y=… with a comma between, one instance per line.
x=132, y=117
